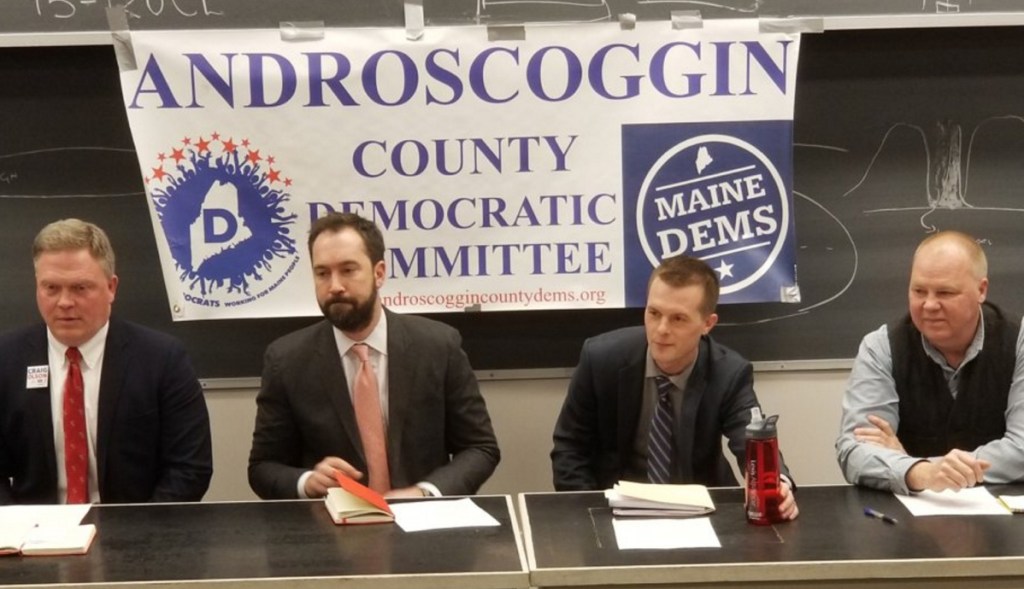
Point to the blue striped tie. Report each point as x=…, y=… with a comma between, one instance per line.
x=660, y=447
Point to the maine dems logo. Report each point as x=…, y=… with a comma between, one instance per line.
x=222, y=207
x=718, y=198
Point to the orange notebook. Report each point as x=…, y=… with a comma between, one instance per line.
x=355, y=503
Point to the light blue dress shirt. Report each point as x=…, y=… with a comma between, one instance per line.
x=871, y=390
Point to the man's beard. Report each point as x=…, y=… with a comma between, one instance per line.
x=350, y=315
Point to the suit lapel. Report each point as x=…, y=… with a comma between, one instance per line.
x=401, y=380
x=325, y=364
x=40, y=404
x=631, y=390
x=116, y=356
x=692, y=396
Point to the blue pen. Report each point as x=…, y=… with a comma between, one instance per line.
x=879, y=515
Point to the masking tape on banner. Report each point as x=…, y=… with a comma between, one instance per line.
x=506, y=33
x=414, y=20
x=307, y=30
x=117, y=19
x=627, y=21
x=686, y=19
x=810, y=24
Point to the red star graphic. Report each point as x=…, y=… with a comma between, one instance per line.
x=159, y=173
x=274, y=175
x=177, y=155
x=254, y=156
x=161, y=157
x=245, y=143
x=186, y=141
x=271, y=160
x=229, y=146
x=215, y=136
x=202, y=145
x=287, y=181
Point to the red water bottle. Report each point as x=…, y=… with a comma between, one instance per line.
x=762, y=469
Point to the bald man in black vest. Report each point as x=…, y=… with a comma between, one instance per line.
x=935, y=399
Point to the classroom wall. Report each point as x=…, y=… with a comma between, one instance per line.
x=524, y=412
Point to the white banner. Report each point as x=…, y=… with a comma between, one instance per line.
x=551, y=172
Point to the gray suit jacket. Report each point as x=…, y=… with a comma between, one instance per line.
x=439, y=430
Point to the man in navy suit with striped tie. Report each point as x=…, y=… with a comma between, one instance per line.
x=652, y=403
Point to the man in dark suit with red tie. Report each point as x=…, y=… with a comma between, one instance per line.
x=669, y=373
x=418, y=427
x=93, y=408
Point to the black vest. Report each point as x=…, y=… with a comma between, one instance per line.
x=931, y=422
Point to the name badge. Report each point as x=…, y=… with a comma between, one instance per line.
x=37, y=377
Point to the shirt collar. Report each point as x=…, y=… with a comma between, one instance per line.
x=377, y=340
x=972, y=350
x=651, y=370
x=91, y=350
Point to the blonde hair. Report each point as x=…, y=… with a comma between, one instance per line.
x=75, y=234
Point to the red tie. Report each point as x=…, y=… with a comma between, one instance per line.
x=76, y=445
x=371, y=423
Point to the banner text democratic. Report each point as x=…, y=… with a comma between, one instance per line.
x=429, y=214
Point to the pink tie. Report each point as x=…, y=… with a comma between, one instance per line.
x=76, y=446
x=371, y=423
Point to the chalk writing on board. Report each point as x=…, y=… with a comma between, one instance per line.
x=577, y=10
x=944, y=5
x=751, y=6
x=947, y=171
x=597, y=10
x=606, y=10
x=30, y=174
x=136, y=9
x=600, y=10
x=850, y=273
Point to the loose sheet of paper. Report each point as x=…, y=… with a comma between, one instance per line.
x=59, y=539
x=643, y=533
x=43, y=515
x=971, y=501
x=18, y=522
x=1014, y=502
x=438, y=514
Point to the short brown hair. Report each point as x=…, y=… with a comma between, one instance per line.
x=75, y=234
x=334, y=222
x=680, y=271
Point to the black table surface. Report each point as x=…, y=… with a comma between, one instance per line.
x=570, y=536
x=283, y=543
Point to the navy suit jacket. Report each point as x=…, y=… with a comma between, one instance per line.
x=594, y=434
x=438, y=427
x=153, y=429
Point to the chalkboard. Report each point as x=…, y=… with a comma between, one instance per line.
x=67, y=16
x=897, y=131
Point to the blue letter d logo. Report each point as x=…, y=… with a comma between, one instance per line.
x=228, y=225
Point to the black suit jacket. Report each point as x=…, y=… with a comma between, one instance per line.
x=438, y=427
x=153, y=429
x=593, y=438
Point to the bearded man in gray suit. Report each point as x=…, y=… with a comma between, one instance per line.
x=437, y=433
